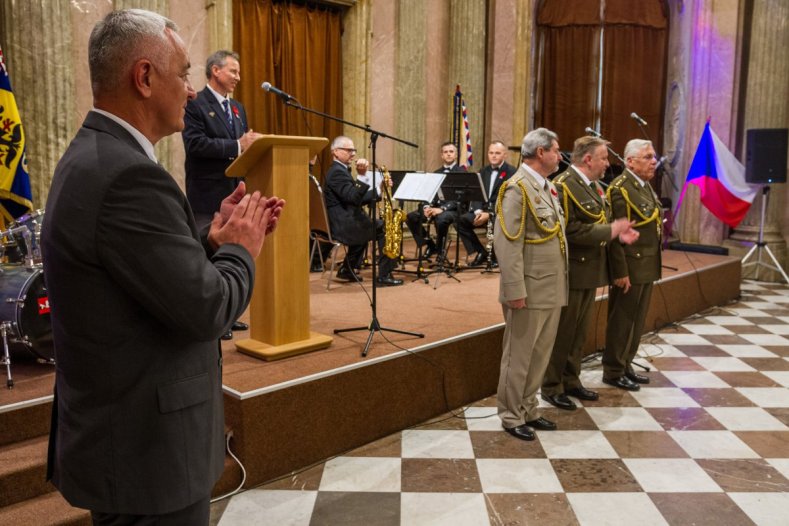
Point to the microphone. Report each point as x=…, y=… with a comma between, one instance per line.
x=638, y=119
x=276, y=91
x=590, y=131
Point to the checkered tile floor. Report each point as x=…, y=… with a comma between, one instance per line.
x=706, y=442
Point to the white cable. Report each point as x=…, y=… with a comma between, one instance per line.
x=243, y=473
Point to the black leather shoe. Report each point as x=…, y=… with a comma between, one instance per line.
x=388, y=281
x=348, y=275
x=637, y=378
x=582, y=393
x=623, y=382
x=522, y=431
x=227, y=336
x=542, y=424
x=481, y=259
x=431, y=251
x=239, y=326
x=560, y=400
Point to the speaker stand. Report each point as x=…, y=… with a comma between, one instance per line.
x=762, y=245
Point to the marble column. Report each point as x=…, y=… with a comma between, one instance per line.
x=219, y=24
x=356, y=73
x=467, y=39
x=766, y=106
x=42, y=77
x=523, y=83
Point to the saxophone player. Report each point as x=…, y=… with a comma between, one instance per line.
x=349, y=224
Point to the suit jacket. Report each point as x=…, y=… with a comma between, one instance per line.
x=344, y=199
x=505, y=172
x=137, y=310
x=587, y=236
x=211, y=145
x=641, y=261
x=535, y=271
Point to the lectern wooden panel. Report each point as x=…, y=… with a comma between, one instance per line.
x=279, y=320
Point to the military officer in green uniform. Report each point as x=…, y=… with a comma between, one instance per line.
x=634, y=268
x=588, y=230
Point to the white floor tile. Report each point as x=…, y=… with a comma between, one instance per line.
x=704, y=328
x=751, y=285
x=623, y=419
x=765, y=509
x=663, y=397
x=782, y=377
x=508, y=475
x=615, y=509
x=766, y=339
x=747, y=312
x=783, y=318
x=439, y=509
x=683, y=339
x=759, y=305
x=576, y=444
x=592, y=378
x=659, y=475
x=712, y=444
x=258, y=507
x=722, y=363
x=482, y=419
x=728, y=320
x=781, y=464
x=766, y=396
x=746, y=419
x=659, y=350
x=361, y=474
x=694, y=379
x=780, y=299
x=436, y=444
x=747, y=351
x=782, y=329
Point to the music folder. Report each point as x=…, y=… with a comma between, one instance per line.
x=418, y=186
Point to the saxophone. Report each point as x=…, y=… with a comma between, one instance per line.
x=393, y=220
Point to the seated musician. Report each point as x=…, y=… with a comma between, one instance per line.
x=443, y=213
x=348, y=222
x=479, y=212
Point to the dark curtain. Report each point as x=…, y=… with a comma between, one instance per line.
x=297, y=48
x=635, y=35
x=569, y=34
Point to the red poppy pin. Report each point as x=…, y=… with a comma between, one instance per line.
x=553, y=192
x=235, y=111
x=600, y=192
x=502, y=174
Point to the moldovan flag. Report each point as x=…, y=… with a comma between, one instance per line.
x=15, y=194
x=721, y=179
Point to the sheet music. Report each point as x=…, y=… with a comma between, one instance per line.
x=419, y=186
x=367, y=178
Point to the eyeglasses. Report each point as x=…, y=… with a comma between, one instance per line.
x=351, y=150
x=646, y=157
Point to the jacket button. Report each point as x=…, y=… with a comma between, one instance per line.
x=583, y=259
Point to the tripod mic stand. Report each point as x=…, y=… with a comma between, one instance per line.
x=762, y=244
x=374, y=324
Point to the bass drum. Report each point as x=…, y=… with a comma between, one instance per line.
x=24, y=310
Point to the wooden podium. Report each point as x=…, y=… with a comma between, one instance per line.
x=279, y=320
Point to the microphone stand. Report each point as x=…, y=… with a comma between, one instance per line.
x=374, y=324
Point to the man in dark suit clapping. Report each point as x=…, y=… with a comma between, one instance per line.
x=215, y=133
x=138, y=298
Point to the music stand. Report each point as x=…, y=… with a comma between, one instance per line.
x=462, y=187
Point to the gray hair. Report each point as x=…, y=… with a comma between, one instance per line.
x=586, y=145
x=122, y=38
x=340, y=141
x=634, y=146
x=539, y=138
x=219, y=59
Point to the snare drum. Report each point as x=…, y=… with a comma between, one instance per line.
x=24, y=307
x=30, y=235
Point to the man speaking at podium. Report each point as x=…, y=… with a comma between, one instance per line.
x=215, y=133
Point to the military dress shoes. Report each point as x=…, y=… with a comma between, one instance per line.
x=637, y=378
x=523, y=432
x=542, y=424
x=623, y=382
x=582, y=393
x=239, y=326
x=560, y=400
x=348, y=275
x=227, y=336
x=388, y=281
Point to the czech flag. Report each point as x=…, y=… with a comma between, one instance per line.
x=721, y=179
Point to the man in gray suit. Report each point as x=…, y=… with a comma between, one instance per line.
x=138, y=299
x=530, y=244
x=589, y=229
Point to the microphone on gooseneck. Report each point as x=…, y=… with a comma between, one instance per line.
x=590, y=131
x=276, y=91
x=638, y=119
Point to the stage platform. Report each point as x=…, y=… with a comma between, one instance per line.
x=287, y=414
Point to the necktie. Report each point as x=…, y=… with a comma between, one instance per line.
x=228, y=115
x=594, y=189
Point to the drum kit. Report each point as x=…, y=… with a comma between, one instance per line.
x=24, y=303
